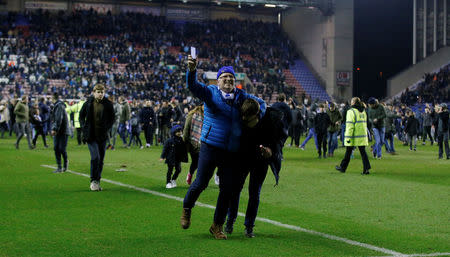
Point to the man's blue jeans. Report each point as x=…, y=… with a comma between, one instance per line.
x=378, y=135
x=211, y=157
x=332, y=141
x=389, y=144
x=123, y=132
x=342, y=133
x=311, y=133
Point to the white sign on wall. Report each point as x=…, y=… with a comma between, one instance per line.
x=182, y=13
x=100, y=8
x=343, y=78
x=156, y=11
x=31, y=5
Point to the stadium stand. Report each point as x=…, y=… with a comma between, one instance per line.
x=141, y=56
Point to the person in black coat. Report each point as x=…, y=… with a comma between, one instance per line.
x=147, y=118
x=261, y=144
x=96, y=119
x=38, y=124
x=282, y=106
x=412, y=129
x=321, y=123
x=174, y=152
x=443, y=130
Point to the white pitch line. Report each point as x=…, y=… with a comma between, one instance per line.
x=418, y=255
x=273, y=222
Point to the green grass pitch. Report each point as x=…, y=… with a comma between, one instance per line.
x=403, y=207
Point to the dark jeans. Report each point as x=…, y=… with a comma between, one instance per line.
x=322, y=142
x=97, y=150
x=389, y=142
x=148, y=132
x=427, y=131
x=39, y=131
x=211, y=157
x=79, y=136
x=4, y=128
x=348, y=153
x=135, y=137
x=443, y=141
x=59, y=146
x=123, y=132
x=258, y=172
x=170, y=167
x=296, y=131
x=332, y=142
x=194, y=162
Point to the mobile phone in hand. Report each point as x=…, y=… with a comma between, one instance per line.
x=193, y=52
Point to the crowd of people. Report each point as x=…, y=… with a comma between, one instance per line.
x=435, y=88
x=135, y=55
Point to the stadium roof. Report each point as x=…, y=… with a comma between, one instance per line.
x=326, y=6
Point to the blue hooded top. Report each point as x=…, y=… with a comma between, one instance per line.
x=222, y=121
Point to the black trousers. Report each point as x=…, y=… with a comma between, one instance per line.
x=322, y=143
x=348, y=153
x=59, y=146
x=39, y=131
x=427, y=130
x=170, y=167
x=79, y=136
x=443, y=141
x=148, y=132
x=296, y=132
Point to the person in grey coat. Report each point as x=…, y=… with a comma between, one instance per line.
x=427, y=123
x=60, y=132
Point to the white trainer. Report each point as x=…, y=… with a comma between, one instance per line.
x=94, y=186
x=174, y=183
x=216, y=179
x=169, y=185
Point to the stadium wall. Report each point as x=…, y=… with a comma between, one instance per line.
x=326, y=43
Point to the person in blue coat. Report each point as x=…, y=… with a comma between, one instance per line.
x=220, y=141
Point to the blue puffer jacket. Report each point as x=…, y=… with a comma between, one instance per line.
x=222, y=123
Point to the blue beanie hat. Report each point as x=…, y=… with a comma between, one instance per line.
x=225, y=69
x=176, y=128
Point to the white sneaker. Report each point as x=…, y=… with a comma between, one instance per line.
x=94, y=186
x=169, y=185
x=216, y=179
x=147, y=145
x=174, y=183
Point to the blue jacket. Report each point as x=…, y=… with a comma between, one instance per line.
x=222, y=122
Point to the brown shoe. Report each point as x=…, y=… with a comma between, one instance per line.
x=186, y=218
x=217, y=231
